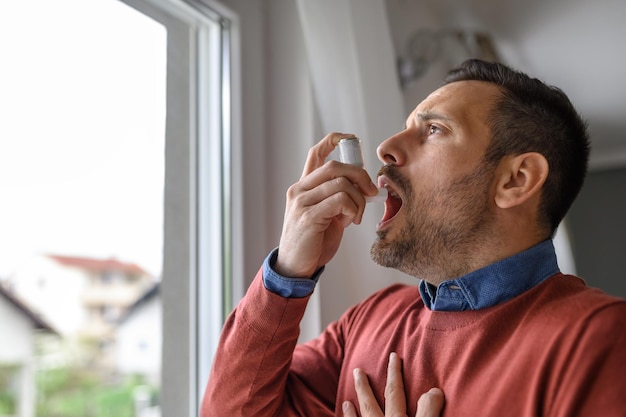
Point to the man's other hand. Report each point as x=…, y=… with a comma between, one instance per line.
x=430, y=404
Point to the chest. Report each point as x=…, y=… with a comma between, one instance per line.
x=484, y=367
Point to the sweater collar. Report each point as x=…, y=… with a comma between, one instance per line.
x=495, y=283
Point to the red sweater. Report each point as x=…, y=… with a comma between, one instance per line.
x=557, y=350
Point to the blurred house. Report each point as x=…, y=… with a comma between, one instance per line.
x=139, y=337
x=82, y=297
x=18, y=327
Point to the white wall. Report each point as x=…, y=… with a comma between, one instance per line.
x=17, y=348
x=16, y=333
x=139, y=340
x=54, y=291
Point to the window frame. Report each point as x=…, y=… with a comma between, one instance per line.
x=199, y=241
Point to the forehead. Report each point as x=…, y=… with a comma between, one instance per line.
x=463, y=103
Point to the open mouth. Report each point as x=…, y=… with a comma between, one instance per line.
x=393, y=203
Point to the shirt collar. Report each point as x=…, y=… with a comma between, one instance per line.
x=495, y=283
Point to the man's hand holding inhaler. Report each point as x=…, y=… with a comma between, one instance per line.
x=328, y=198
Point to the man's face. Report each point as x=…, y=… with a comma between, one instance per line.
x=440, y=204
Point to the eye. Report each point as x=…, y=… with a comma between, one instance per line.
x=432, y=129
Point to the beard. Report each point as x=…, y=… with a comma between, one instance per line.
x=444, y=228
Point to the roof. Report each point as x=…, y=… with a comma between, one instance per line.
x=99, y=265
x=143, y=299
x=39, y=323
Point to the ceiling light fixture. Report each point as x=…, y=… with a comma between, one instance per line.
x=425, y=47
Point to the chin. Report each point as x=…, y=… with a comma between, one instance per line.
x=382, y=251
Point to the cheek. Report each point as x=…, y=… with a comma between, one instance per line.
x=431, y=173
x=439, y=164
x=439, y=159
x=452, y=166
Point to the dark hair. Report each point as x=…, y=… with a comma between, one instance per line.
x=531, y=116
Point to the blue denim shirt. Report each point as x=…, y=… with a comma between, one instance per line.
x=495, y=283
x=287, y=287
x=486, y=287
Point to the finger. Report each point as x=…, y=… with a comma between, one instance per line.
x=367, y=402
x=320, y=151
x=430, y=403
x=348, y=409
x=343, y=209
x=357, y=176
x=338, y=195
x=395, y=399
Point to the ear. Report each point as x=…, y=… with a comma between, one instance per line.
x=520, y=178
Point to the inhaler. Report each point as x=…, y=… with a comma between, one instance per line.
x=350, y=152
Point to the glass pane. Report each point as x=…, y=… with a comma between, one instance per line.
x=82, y=130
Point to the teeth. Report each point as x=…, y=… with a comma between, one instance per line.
x=391, y=192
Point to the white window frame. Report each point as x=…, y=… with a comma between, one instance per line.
x=201, y=239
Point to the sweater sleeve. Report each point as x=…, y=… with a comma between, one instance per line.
x=253, y=370
x=594, y=383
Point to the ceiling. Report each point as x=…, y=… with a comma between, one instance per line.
x=573, y=44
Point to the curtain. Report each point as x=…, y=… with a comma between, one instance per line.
x=352, y=66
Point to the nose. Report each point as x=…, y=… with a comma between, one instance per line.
x=390, y=150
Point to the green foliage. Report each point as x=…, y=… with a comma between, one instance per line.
x=7, y=403
x=7, y=397
x=68, y=392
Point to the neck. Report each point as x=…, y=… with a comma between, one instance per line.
x=462, y=261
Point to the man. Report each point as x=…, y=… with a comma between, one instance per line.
x=484, y=171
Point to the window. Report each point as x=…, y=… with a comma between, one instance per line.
x=197, y=200
x=197, y=205
x=81, y=104
x=190, y=78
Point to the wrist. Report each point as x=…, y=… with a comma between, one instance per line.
x=288, y=287
x=283, y=268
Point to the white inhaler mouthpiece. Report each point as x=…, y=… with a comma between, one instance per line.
x=350, y=152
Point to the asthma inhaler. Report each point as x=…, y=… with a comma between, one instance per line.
x=350, y=152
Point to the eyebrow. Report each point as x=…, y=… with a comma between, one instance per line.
x=429, y=115
x=426, y=116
